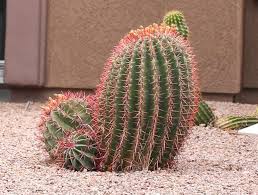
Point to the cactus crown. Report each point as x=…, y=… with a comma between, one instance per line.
x=176, y=18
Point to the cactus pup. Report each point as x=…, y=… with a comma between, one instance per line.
x=236, y=122
x=66, y=131
x=176, y=18
x=204, y=115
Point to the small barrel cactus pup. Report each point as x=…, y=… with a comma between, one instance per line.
x=66, y=131
x=147, y=99
x=176, y=18
x=204, y=115
x=236, y=122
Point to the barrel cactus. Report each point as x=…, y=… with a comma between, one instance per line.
x=177, y=19
x=66, y=131
x=76, y=150
x=236, y=122
x=146, y=100
x=204, y=115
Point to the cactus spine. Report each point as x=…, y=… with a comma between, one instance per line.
x=204, y=114
x=176, y=18
x=66, y=130
x=236, y=122
x=146, y=100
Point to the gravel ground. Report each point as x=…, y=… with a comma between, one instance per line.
x=212, y=162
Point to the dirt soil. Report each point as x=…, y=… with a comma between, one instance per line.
x=212, y=161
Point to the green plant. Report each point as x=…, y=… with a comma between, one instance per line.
x=236, y=122
x=76, y=150
x=67, y=133
x=147, y=99
x=204, y=114
x=177, y=19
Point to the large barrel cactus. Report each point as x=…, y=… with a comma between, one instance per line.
x=66, y=131
x=147, y=99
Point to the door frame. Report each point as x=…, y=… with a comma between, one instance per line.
x=25, y=44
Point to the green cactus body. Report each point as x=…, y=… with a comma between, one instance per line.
x=146, y=100
x=63, y=121
x=204, y=114
x=176, y=18
x=78, y=150
x=236, y=122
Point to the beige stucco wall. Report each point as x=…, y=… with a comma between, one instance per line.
x=217, y=36
x=81, y=34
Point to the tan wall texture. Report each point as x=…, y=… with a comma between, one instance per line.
x=81, y=34
x=217, y=36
